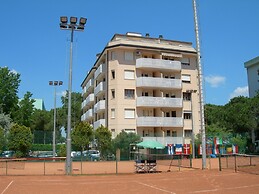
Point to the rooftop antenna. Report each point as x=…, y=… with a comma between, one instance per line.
x=203, y=135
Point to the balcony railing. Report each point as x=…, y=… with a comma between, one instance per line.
x=166, y=140
x=99, y=123
x=101, y=87
x=99, y=106
x=159, y=122
x=157, y=82
x=158, y=64
x=145, y=101
x=89, y=114
x=88, y=100
x=99, y=71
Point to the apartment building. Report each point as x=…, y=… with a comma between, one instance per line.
x=252, y=67
x=144, y=85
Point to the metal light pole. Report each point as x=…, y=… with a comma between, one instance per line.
x=72, y=26
x=203, y=135
x=54, y=83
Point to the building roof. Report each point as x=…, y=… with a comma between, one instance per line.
x=252, y=62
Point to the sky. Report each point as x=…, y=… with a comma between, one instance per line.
x=32, y=44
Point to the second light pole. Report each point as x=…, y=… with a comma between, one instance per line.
x=54, y=83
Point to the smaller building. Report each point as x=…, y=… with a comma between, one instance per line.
x=39, y=104
x=252, y=67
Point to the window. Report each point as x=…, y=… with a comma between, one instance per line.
x=186, y=96
x=113, y=74
x=129, y=93
x=129, y=113
x=168, y=133
x=185, y=61
x=128, y=56
x=187, y=133
x=113, y=113
x=174, y=133
x=129, y=74
x=113, y=93
x=144, y=93
x=113, y=133
x=186, y=78
x=173, y=113
x=187, y=115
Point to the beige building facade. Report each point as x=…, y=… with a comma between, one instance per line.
x=144, y=85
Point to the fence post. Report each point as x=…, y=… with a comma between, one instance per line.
x=190, y=160
x=6, y=167
x=220, y=162
x=235, y=163
x=250, y=160
x=116, y=161
x=44, y=166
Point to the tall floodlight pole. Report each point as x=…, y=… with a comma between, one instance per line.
x=203, y=135
x=72, y=26
x=54, y=83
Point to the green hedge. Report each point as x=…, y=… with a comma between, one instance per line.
x=44, y=147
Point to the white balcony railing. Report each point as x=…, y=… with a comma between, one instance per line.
x=157, y=82
x=145, y=101
x=99, y=71
x=158, y=64
x=101, y=87
x=99, y=106
x=99, y=123
x=159, y=122
x=88, y=100
x=89, y=114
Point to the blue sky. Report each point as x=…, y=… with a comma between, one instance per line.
x=32, y=44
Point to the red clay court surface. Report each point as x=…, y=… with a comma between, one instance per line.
x=190, y=181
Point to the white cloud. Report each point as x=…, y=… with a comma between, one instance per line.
x=215, y=80
x=239, y=91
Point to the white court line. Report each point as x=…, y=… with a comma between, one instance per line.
x=7, y=187
x=222, y=189
x=153, y=187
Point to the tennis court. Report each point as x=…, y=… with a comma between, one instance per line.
x=189, y=181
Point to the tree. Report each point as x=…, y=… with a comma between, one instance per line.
x=26, y=108
x=123, y=141
x=82, y=135
x=76, y=100
x=41, y=126
x=9, y=83
x=5, y=122
x=20, y=140
x=104, y=140
x=2, y=139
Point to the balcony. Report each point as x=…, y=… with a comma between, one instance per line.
x=88, y=100
x=166, y=140
x=158, y=64
x=99, y=106
x=99, y=123
x=157, y=82
x=100, y=88
x=88, y=115
x=159, y=122
x=99, y=71
x=145, y=101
